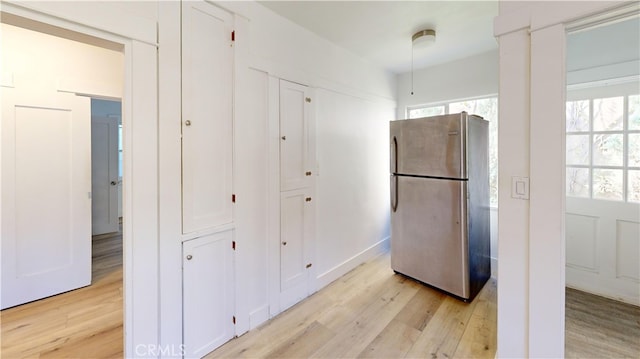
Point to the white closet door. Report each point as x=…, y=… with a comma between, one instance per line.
x=208, y=293
x=46, y=187
x=295, y=171
x=207, y=87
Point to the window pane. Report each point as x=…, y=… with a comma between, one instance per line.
x=607, y=114
x=426, y=111
x=634, y=112
x=578, y=116
x=607, y=150
x=633, y=180
x=634, y=150
x=607, y=184
x=578, y=149
x=578, y=182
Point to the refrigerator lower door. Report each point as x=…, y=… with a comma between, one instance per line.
x=428, y=232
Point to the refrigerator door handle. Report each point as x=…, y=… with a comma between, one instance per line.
x=395, y=154
x=394, y=193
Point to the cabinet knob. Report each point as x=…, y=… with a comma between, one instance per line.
x=307, y=173
x=284, y=243
x=284, y=137
x=189, y=257
x=187, y=123
x=308, y=199
x=113, y=183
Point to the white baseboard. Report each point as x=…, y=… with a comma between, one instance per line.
x=258, y=316
x=343, y=268
x=494, y=267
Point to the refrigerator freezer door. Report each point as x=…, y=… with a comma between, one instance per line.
x=431, y=146
x=428, y=232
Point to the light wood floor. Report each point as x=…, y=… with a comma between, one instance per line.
x=373, y=313
x=370, y=312
x=84, y=323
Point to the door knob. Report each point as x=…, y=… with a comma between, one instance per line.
x=113, y=183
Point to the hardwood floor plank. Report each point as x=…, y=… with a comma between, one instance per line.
x=354, y=337
x=441, y=336
x=480, y=338
x=83, y=323
x=600, y=327
x=421, y=308
x=305, y=343
x=394, y=341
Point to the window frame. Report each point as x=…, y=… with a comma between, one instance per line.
x=591, y=93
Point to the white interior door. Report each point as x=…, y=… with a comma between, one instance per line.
x=208, y=293
x=207, y=132
x=46, y=185
x=603, y=248
x=104, y=175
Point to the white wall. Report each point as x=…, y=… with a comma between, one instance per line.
x=353, y=181
x=466, y=78
x=353, y=102
x=31, y=58
x=475, y=76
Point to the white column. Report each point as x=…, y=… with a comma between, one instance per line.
x=546, y=223
x=513, y=214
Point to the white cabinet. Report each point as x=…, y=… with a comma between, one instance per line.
x=296, y=226
x=295, y=150
x=208, y=293
x=296, y=196
x=207, y=124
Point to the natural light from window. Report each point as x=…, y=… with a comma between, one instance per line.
x=603, y=148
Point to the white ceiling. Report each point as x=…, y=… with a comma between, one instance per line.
x=381, y=31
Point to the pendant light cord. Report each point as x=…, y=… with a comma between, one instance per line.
x=412, y=68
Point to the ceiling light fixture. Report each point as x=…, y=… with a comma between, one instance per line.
x=420, y=39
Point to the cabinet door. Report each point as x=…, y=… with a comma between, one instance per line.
x=294, y=136
x=208, y=293
x=295, y=247
x=207, y=70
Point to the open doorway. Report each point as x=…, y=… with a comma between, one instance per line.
x=51, y=81
x=603, y=190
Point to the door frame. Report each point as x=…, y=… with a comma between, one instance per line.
x=104, y=26
x=531, y=249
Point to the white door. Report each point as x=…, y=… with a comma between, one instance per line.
x=104, y=175
x=295, y=171
x=208, y=293
x=603, y=248
x=46, y=187
x=295, y=247
x=207, y=88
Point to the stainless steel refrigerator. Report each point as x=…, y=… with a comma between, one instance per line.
x=440, y=202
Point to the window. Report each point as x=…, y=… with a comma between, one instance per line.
x=488, y=109
x=603, y=148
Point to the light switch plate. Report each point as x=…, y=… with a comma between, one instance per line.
x=520, y=187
